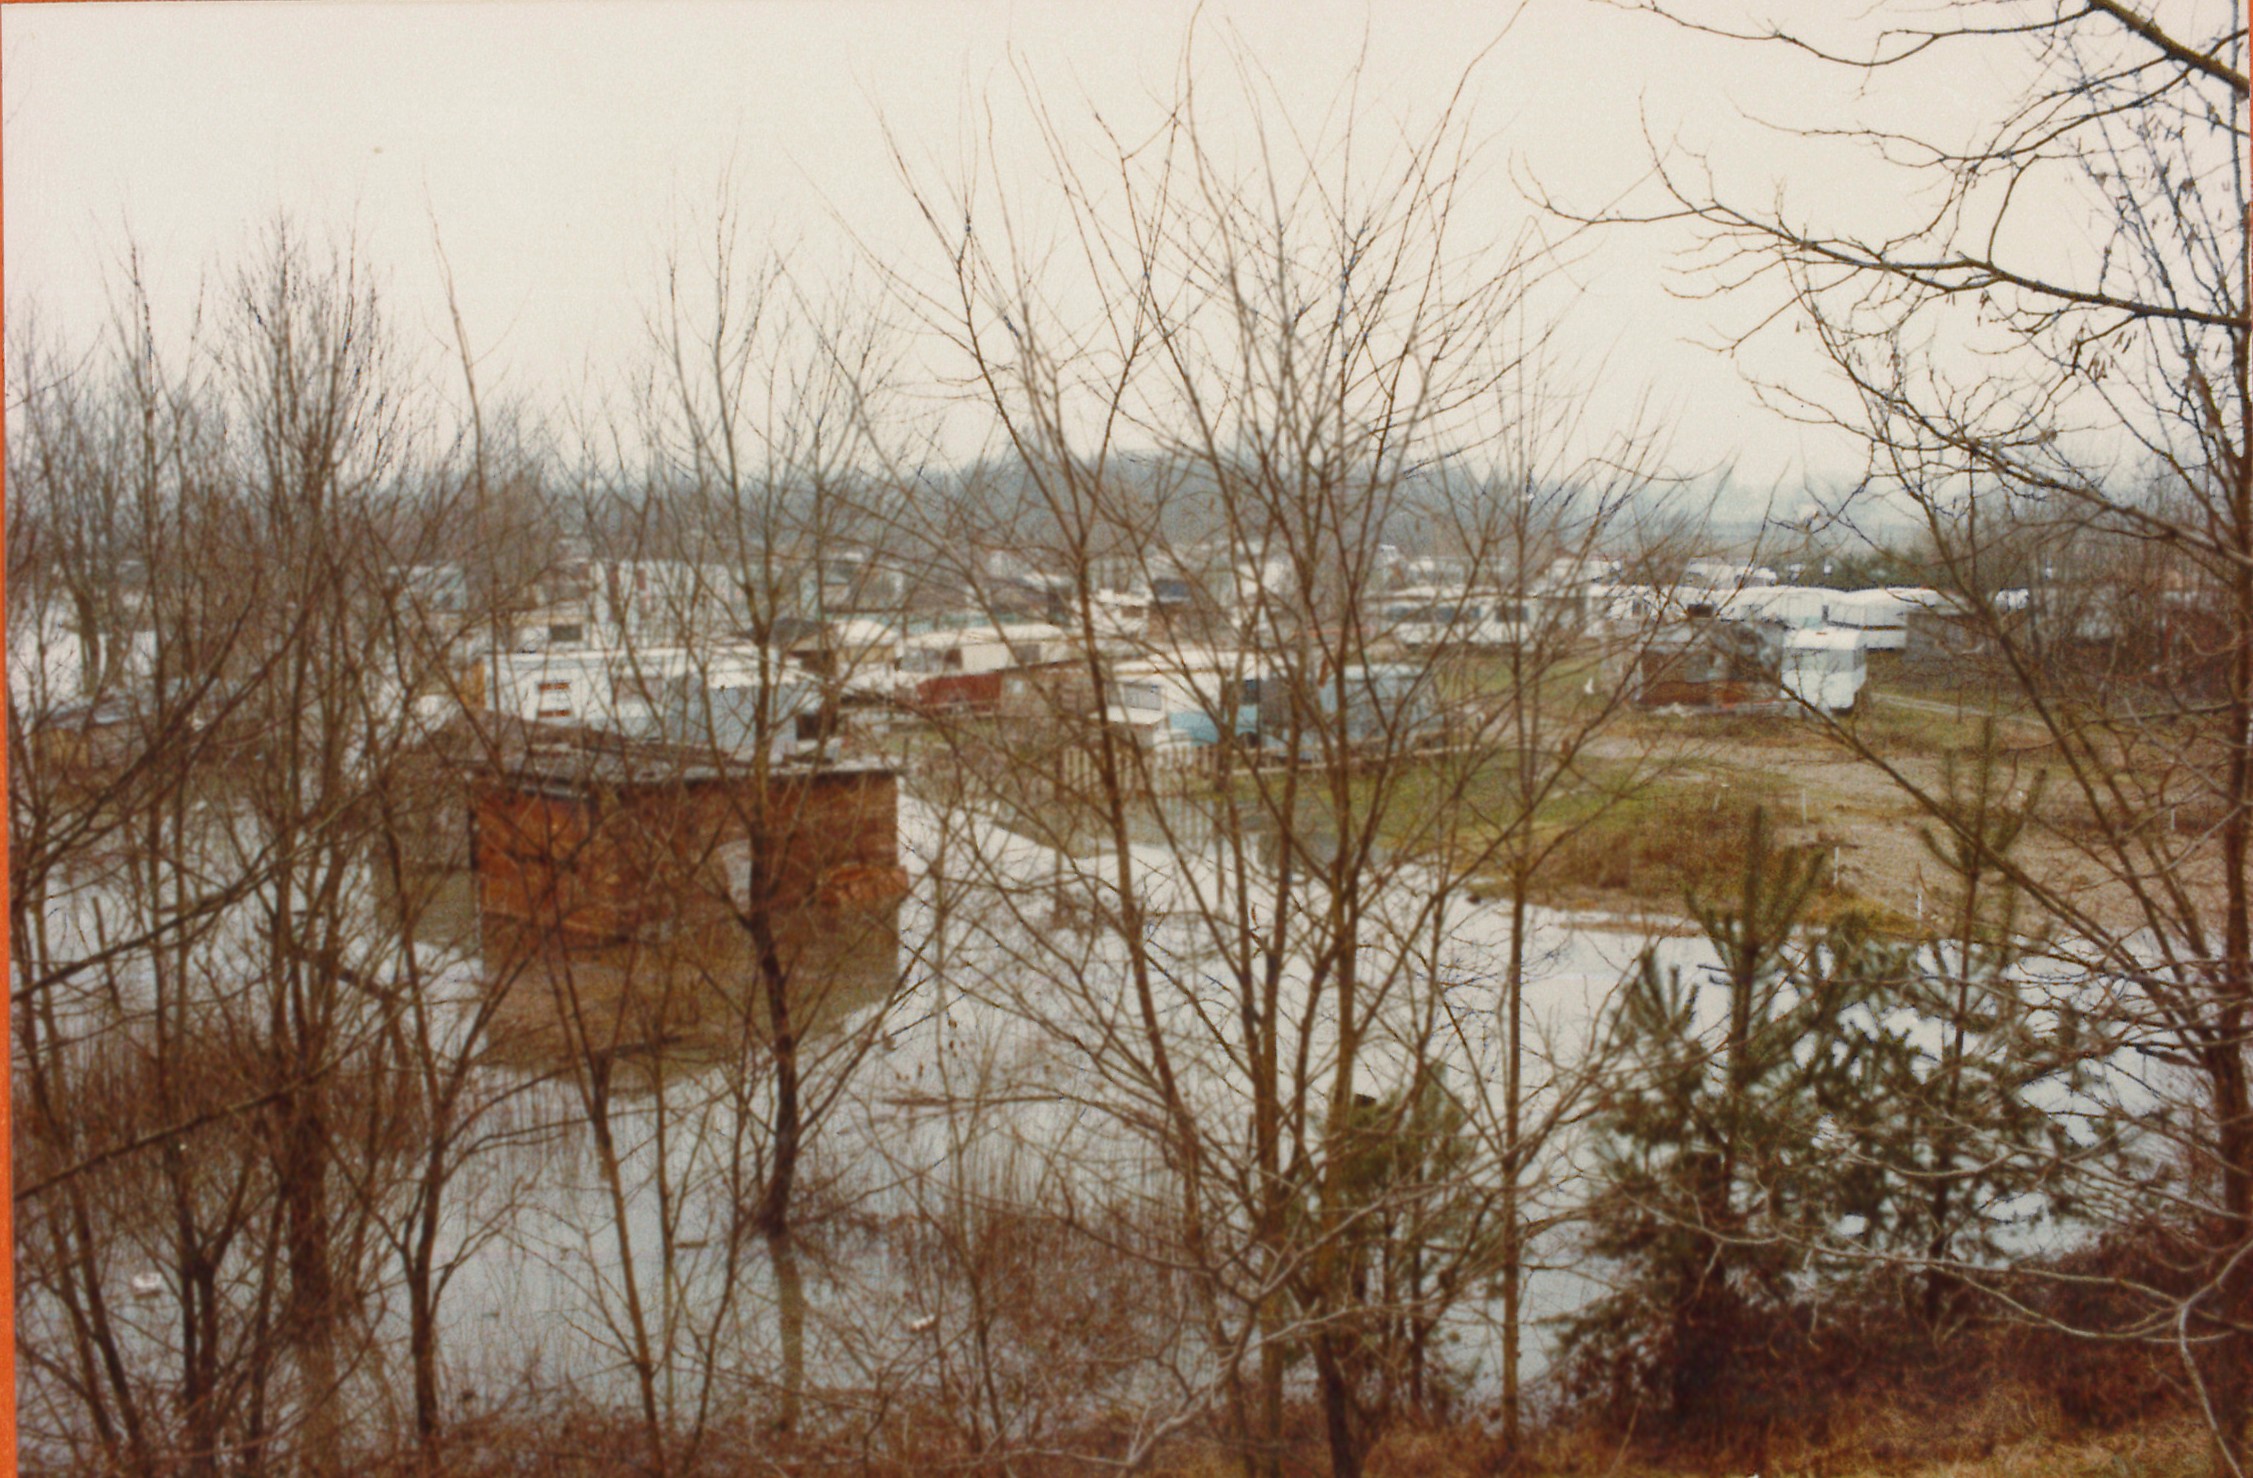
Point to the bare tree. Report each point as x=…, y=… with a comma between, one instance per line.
x=1559, y=677
x=197, y=948
x=766, y=439
x=1227, y=387
x=694, y=855
x=2106, y=426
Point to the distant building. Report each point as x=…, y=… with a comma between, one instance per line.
x=965, y=670
x=1711, y=664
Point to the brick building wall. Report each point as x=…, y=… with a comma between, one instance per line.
x=628, y=888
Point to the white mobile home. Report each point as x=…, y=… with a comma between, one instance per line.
x=575, y=687
x=1825, y=667
x=1882, y=616
x=673, y=692
x=618, y=687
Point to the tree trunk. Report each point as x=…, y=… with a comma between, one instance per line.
x=313, y=1303
x=1264, y=1457
x=773, y=1216
x=2232, y=1112
x=790, y=1316
x=422, y=1340
x=1338, y=1416
x=2228, y=1372
x=1513, y=1250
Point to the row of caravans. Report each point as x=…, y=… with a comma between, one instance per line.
x=1201, y=700
x=1709, y=664
x=1879, y=617
x=1192, y=699
x=1820, y=639
x=1428, y=618
x=646, y=690
x=1818, y=654
x=1827, y=635
x=685, y=695
x=964, y=670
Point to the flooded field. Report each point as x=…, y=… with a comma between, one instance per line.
x=988, y=1079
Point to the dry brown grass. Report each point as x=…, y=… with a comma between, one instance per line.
x=1997, y=1434
x=2168, y=1450
x=568, y=1444
x=1650, y=850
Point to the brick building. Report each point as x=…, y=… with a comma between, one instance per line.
x=636, y=871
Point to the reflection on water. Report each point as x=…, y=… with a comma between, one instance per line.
x=955, y=1075
x=434, y=905
x=693, y=994
x=964, y=1087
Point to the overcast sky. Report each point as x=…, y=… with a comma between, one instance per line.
x=559, y=146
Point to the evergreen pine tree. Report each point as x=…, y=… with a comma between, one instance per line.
x=1719, y=1151
x=1860, y=1106
x=1967, y=1149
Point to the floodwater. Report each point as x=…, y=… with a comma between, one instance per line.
x=1001, y=1066
x=983, y=1080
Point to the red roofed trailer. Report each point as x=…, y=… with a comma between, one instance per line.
x=964, y=671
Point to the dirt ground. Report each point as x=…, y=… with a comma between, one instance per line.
x=1826, y=794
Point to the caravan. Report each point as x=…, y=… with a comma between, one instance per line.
x=962, y=669
x=1882, y=616
x=1825, y=667
x=1365, y=708
x=1167, y=704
